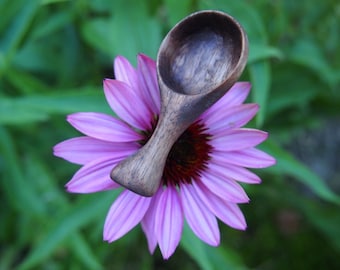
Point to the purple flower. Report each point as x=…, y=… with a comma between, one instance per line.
x=200, y=179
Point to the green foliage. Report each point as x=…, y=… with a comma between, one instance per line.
x=54, y=55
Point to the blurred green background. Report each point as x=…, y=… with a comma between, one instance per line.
x=53, y=58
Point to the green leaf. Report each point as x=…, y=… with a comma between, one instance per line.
x=293, y=86
x=17, y=189
x=259, y=52
x=324, y=218
x=27, y=84
x=195, y=248
x=12, y=9
x=144, y=32
x=83, y=251
x=287, y=164
x=47, y=2
x=42, y=178
x=68, y=101
x=245, y=13
x=12, y=113
x=230, y=259
x=83, y=213
x=125, y=35
x=37, y=108
x=95, y=32
x=177, y=10
x=51, y=197
x=51, y=54
x=209, y=257
x=261, y=79
x=19, y=27
x=7, y=257
x=308, y=54
x=55, y=22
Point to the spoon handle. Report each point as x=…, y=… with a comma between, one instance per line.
x=142, y=172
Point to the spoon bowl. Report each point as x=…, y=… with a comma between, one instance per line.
x=197, y=63
x=200, y=53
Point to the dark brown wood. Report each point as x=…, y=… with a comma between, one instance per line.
x=197, y=63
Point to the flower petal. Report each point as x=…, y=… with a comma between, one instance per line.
x=94, y=176
x=233, y=172
x=238, y=139
x=127, y=104
x=234, y=97
x=147, y=75
x=125, y=213
x=148, y=221
x=237, y=94
x=103, y=127
x=168, y=221
x=200, y=219
x=231, y=118
x=82, y=150
x=125, y=72
x=226, y=211
x=223, y=187
x=249, y=158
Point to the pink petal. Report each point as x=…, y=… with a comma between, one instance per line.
x=148, y=82
x=226, y=211
x=238, y=139
x=237, y=94
x=233, y=172
x=82, y=150
x=103, y=127
x=125, y=213
x=168, y=221
x=231, y=118
x=224, y=187
x=93, y=177
x=148, y=221
x=200, y=219
x=249, y=158
x=125, y=72
x=127, y=103
x=234, y=97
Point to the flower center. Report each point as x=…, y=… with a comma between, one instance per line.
x=188, y=156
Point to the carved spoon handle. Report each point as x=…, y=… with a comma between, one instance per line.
x=142, y=172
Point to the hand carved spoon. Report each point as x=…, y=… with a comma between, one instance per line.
x=197, y=63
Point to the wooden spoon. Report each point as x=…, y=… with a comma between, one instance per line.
x=197, y=63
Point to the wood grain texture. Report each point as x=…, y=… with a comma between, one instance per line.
x=197, y=63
